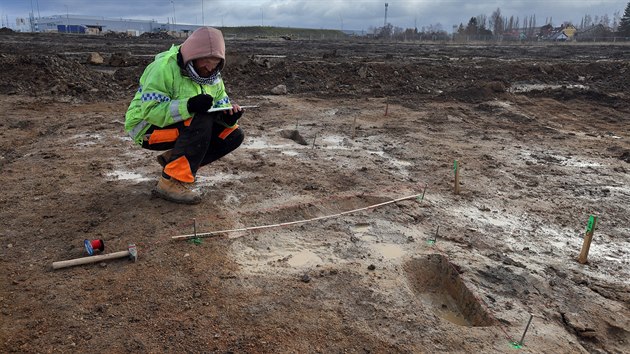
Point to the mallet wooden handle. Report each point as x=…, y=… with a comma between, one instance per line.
x=92, y=259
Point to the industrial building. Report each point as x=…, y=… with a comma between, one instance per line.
x=97, y=25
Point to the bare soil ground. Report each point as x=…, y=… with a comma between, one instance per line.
x=541, y=133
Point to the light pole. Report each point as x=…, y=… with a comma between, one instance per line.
x=30, y=18
x=262, y=22
x=203, y=20
x=173, y=3
x=67, y=19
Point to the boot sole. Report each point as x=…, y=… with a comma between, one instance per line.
x=159, y=194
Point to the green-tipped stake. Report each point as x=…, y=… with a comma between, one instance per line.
x=195, y=240
x=588, y=238
x=519, y=344
x=432, y=241
x=456, y=170
x=421, y=198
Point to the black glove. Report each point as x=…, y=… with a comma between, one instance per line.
x=200, y=103
x=230, y=120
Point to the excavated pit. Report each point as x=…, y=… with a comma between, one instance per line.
x=440, y=287
x=293, y=135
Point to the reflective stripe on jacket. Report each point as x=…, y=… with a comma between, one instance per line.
x=163, y=96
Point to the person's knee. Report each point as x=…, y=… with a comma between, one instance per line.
x=238, y=137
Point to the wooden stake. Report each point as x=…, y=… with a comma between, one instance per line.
x=586, y=246
x=354, y=127
x=456, y=168
x=386, y=108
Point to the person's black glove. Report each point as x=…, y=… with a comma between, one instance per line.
x=230, y=119
x=200, y=103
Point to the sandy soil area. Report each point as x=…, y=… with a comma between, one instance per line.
x=542, y=139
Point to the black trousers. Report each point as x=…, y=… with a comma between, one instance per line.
x=200, y=141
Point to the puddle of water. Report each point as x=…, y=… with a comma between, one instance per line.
x=445, y=307
x=304, y=259
x=392, y=160
x=572, y=163
x=86, y=136
x=388, y=251
x=259, y=143
x=361, y=228
x=127, y=176
x=561, y=160
x=518, y=88
x=330, y=112
x=332, y=142
x=454, y=317
x=495, y=219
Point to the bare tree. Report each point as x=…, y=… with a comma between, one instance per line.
x=605, y=20
x=496, y=22
x=616, y=18
x=624, y=23
x=482, y=20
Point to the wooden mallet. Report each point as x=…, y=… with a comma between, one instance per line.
x=131, y=252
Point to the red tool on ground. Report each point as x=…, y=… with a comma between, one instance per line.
x=94, y=245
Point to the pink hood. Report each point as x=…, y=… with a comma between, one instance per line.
x=204, y=42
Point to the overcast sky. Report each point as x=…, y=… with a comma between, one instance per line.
x=330, y=14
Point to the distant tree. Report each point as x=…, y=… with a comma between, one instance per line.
x=616, y=18
x=605, y=20
x=434, y=32
x=385, y=31
x=461, y=29
x=496, y=22
x=510, y=24
x=531, y=28
x=588, y=21
x=482, y=21
x=624, y=23
x=472, y=27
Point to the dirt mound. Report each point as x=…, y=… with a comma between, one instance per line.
x=4, y=30
x=38, y=75
x=112, y=34
x=156, y=35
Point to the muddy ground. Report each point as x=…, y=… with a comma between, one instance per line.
x=541, y=135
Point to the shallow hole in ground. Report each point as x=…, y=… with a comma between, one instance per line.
x=440, y=287
x=293, y=135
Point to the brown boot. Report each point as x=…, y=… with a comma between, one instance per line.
x=164, y=158
x=176, y=191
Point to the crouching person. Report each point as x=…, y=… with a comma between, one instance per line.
x=169, y=113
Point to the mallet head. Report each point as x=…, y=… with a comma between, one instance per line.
x=133, y=252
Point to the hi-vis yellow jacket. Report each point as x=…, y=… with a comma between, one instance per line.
x=163, y=95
